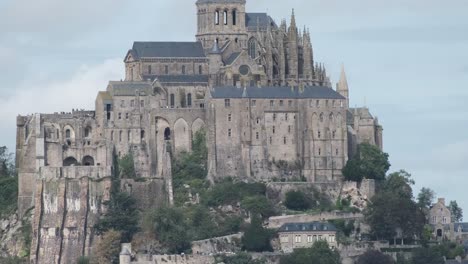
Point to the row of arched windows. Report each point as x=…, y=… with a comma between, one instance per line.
x=225, y=17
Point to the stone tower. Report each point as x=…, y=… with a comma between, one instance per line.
x=221, y=21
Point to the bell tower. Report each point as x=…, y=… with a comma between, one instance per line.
x=220, y=21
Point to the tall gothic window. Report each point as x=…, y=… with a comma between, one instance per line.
x=234, y=17
x=217, y=17
x=172, y=99
x=252, y=48
x=225, y=14
x=189, y=100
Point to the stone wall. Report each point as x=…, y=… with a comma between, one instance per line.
x=217, y=245
x=65, y=213
x=172, y=259
x=278, y=221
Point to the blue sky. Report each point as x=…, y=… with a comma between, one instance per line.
x=406, y=60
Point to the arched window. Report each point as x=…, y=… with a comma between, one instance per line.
x=234, y=17
x=183, y=69
x=166, y=69
x=189, y=100
x=70, y=161
x=149, y=69
x=200, y=69
x=172, y=99
x=88, y=161
x=217, y=17
x=225, y=14
x=167, y=134
x=252, y=48
x=67, y=133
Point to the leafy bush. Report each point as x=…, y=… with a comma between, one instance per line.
x=258, y=205
x=241, y=258
x=169, y=227
x=368, y=163
x=231, y=193
x=374, y=256
x=8, y=195
x=127, y=167
x=319, y=253
x=122, y=215
x=298, y=201
x=256, y=238
x=108, y=248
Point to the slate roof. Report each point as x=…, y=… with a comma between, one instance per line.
x=183, y=78
x=312, y=226
x=464, y=227
x=252, y=20
x=168, y=50
x=232, y=58
x=275, y=92
x=129, y=88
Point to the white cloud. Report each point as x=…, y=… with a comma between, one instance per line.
x=77, y=92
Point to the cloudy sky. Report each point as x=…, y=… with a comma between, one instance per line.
x=406, y=60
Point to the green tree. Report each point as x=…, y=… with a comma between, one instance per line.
x=201, y=224
x=7, y=165
x=242, y=258
x=373, y=257
x=319, y=253
x=297, y=200
x=427, y=256
x=122, y=215
x=393, y=208
x=127, y=167
x=169, y=227
x=258, y=205
x=368, y=163
x=425, y=198
x=256, y=237
x=108, y=248
x=456, y=211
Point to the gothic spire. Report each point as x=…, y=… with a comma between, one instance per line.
x=293, y=20
x=343, y=83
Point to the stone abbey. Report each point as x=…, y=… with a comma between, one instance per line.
x=268, y=108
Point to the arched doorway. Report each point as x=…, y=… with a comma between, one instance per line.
x=70, y=161
x=88, y=161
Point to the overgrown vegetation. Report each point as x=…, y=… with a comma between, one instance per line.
x=190, y=169
x=241, y=258
x=12, y=260
x=302, y=201
x=319, y=253
x=108, y=248
x=122, y=213
x=256, y=237
x=374, y=256
x=368, y=163
x=127, y=167
x=8, y=183
x=393, y=208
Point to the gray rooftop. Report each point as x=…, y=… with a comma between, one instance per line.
x=232, y=58
x=463, y=226
x=453, y=261
x=312, y=226
x=275, y=92
x=168, y=50
x=129, y=88
x=252, y=20
x=183, y=78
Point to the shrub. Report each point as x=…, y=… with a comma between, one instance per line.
x=256, y=238
x=319, y=253
x=298, y=201
x=108, y=249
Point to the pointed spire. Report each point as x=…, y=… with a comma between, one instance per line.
x=293, y=20
x=343, y=83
